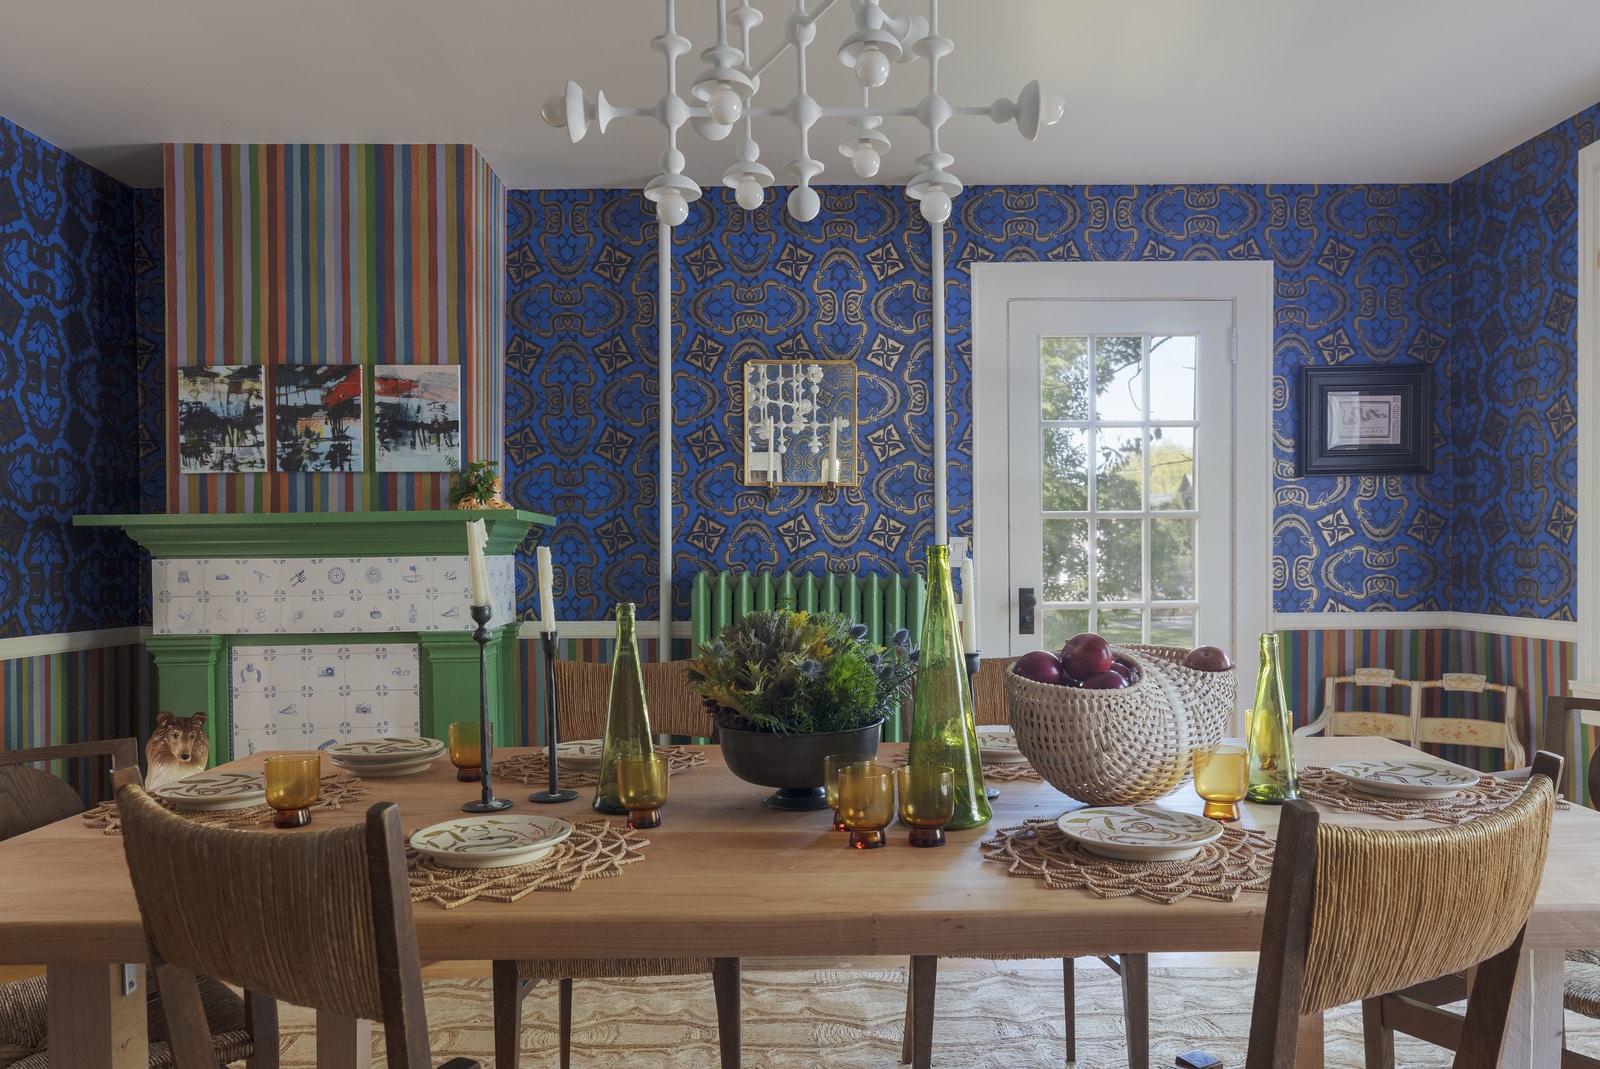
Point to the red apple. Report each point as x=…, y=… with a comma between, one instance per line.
x=1085, y=655
x=1207, y=659
x=1041, y=666
x=1125, y=670
x=1107, y=680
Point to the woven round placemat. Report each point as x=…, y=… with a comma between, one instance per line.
x=1010, y=772
x=336, y=790
x=595, y=850
x=533, y=768
x=1319, y=785
x=1239, y=861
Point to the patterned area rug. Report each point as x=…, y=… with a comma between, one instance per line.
x=851, y=1019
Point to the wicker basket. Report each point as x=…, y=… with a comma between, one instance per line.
x=1122, y=747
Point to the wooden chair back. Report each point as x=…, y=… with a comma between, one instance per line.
x=1562, y=715
x=582, y=690
x=1336, y=721
x=1464, y=730
x=319, y=918
x=1452, y=897
x=989, y=690
x=584, y=687
x=674, y=708
x=31, y=797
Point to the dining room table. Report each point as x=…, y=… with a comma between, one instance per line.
x=724, y=876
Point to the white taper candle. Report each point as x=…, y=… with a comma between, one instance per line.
x=547, y=588
x=477, y=567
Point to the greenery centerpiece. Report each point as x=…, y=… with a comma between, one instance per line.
x=789, y=687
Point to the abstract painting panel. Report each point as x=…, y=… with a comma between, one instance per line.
x=317, y=417
x=222, y=419
x=417, y=408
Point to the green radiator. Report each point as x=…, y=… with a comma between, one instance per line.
x=884, y=603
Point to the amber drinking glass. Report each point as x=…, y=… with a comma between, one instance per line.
x=292, y=781
x=927, y=802
x=830, y=780
x=466, y=750
x=866, y=802
x=642, y=787
x=1222, y=778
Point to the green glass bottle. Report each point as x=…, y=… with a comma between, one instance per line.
x=1272, y=775
x=943, y=722
x=627, y=718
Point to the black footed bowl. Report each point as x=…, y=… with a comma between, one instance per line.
x=792, y=763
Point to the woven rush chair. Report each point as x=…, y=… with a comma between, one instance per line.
x=585, y=686
x=989, y=707
x=320, y=918
x=32, y=798
x=1453, y=898
x=1333, y=720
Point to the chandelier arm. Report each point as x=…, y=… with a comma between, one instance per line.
x=777, y=53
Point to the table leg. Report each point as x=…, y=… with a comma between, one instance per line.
x=92, y=1022
x=1308, y=1052
x=343, y=1042
x=1535, y=1030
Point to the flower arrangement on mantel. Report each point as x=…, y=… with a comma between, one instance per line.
x=793, y=672
x=477, y=487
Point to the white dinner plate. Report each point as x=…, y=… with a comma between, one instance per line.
x=207, y=791
x=385, y=751
x=1139, y=832
x=997, y=745
x=408, y=767
x=1404, y=779
x=490, y=841
x=580, y=753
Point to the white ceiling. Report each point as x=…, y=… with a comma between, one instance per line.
x=1156, y=90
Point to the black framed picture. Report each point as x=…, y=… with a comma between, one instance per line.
x=1367, y=419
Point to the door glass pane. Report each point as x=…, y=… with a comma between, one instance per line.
x=1119, y=468
x=1119, y=559
x=1172, y=627
x=1064, y=378
x=1118, y=386
x=1172, y=468
x=1120, y=626
x=1172, y=560
x=1065, y=469
x=1066, y=560
x=1062, y=624
x=1172, y=378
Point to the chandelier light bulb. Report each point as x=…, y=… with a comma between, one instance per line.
x=936, y=205
x=725, y=105
x=672, y=209
x=865, y=160
x=554, y=112
x=804, y=203
x=872, y=67
x=749, y=193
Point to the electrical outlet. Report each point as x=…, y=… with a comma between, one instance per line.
x=958, y=550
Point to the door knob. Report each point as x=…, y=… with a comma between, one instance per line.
x=1026, y=603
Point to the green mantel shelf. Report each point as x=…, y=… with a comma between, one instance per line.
x=320, y=534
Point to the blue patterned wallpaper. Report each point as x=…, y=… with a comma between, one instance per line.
x=69, y=400
x=1514, y=388
x=1363, y=275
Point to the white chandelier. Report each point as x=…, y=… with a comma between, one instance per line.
x=723, y=100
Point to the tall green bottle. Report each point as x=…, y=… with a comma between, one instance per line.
x=627, y=719
x=1272, y=775
x=943, y=722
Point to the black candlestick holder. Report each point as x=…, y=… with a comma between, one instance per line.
x=488, y=803
x=552, y=650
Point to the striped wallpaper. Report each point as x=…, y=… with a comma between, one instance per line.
x=334, y=254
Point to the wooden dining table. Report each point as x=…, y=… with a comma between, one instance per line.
x=725, y=876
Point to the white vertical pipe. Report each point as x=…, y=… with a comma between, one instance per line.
x=941, y=447
x=664, y=374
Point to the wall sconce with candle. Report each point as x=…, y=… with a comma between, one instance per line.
x=800, y=423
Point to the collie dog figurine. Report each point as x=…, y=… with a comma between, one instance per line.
x=177, y=748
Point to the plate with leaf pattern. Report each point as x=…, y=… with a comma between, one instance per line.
x=1405, y=779
x=385, y=751
x=490, y=841
x=581, y=753
x=997, y=745
x=205, y=791
x=1139, y=832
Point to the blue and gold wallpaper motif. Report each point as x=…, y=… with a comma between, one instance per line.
x=1514, y=389
x=1363, y=275
x=69, y=399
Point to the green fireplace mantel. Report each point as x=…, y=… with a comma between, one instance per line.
x=319, y=534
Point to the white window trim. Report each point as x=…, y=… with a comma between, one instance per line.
x=1586, y=661
x=1248, y=284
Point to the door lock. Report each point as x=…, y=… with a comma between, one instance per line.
x=1026, y=603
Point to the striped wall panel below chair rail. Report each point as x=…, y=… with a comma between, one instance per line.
x=884, y=603
x=84, y=695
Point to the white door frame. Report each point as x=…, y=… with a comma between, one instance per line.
x=1248, y=284
x=1586, y=657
